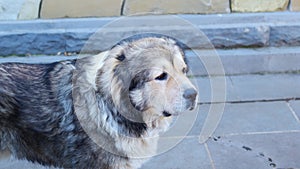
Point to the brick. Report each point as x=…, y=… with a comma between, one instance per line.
x=133, y=7
x=258, y=5
x=295, y=5
x=78, y=8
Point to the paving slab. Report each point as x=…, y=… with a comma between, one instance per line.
x=9, y=162
x=247, y=61
x=295, y=105
x=256, y=117
x=189, y=154
x=220, y=92
x=20, y=164
x=249, y=88
x=266, y=87
x=198, y=123
x=36, y=59
x=263, y=151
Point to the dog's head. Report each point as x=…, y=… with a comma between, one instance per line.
x=148, y=74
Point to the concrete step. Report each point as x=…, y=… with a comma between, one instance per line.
x=244, y=61
x=197, y=31
x=215, y=62
x=248, y=88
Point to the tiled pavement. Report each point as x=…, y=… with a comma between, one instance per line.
x=260, y=128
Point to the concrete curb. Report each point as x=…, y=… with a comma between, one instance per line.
x=223, y=31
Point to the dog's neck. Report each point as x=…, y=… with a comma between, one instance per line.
x=116, y=119
x=121, y=124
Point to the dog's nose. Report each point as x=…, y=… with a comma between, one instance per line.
x=190, y=94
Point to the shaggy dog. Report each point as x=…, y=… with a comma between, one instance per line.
x=103, y=111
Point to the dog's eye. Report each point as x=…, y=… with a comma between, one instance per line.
x=162, y=76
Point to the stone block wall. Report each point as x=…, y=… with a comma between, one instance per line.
x=258, y=5
x=33, y=9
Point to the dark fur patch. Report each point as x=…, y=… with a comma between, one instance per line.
x=121, y=57
x=139, y=80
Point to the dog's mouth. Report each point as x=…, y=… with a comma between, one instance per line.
x=167, y=114
x=190, y=107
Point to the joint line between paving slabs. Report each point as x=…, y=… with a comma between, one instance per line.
x=260, y=133
x=293, y=112
x=209, y=156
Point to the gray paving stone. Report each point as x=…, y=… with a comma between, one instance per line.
x=188, y=154
x=296, y=107
x=9, y=162
x=247, y=61
x=247, y=36
x=20, y=164
x=285, y=35
x=263, y=151
x=199, y=121
x=32, y=43
x=219, y=92
x=36, y=59
x=256, y=117
x=266, y=87
x=249, y=87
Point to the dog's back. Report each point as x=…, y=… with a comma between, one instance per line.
x=20, y=86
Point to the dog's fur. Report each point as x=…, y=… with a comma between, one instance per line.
x=103, y=111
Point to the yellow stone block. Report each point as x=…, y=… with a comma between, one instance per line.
x=80, y=8
x=295, y=5
x=258, y=5
x=136, y=7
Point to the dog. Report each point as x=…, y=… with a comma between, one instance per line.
x=104, y=111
